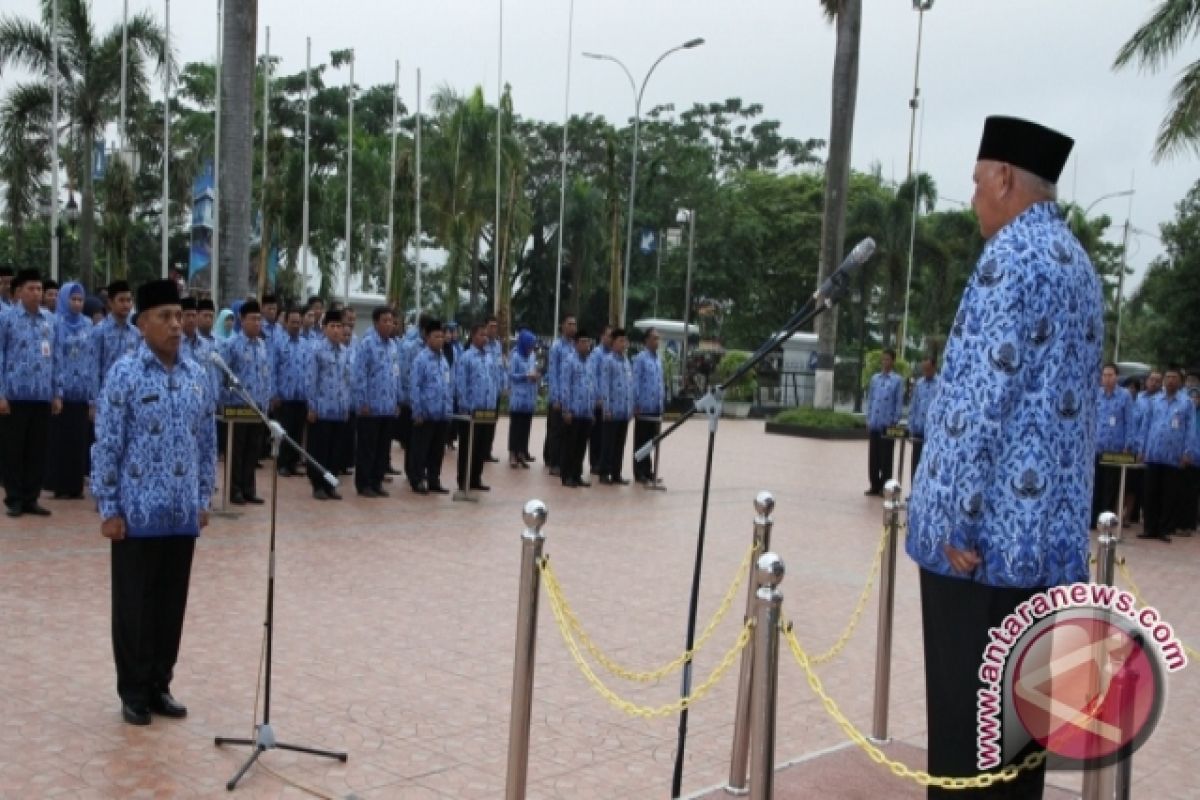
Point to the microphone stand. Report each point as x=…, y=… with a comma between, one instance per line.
x=710, y=405
x=264, y=735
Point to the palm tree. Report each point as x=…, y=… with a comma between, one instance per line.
x=847, y=16
x=24, y=151
x=89, y=77
x=1159, y=38
x=238, y=67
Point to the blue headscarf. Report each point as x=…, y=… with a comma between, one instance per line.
x=72, y=319
x=525, y=341
x=219, y=325
x=236, y=308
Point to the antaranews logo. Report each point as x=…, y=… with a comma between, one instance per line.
x=1082, y=669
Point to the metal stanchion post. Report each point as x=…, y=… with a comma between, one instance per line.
x=532, y=539
x=1100, y=783
x=739, y=758
x=768, y=600
x=892, y=505
x=465, y=492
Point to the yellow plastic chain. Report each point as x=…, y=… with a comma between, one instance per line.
x=645, y=712
x=856, y=615
x=1193, y=654
x=898, y=768
x=648, y=676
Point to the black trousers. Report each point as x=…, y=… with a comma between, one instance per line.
x=519, y=425
x=476, y=450
x=576, y=437
x=489, y=435
x=247, y=445
x=149, y=596
x=1190, y=515
x=404, y=426
x=1105, y=485
x=323, y=436
x=371, y=451
x=26, y=428
x=292, y=416
x=643, y=432
x=956, y=615
x=67, y=460
x=614, y=434
x=596, y=441
x=880, y=453
x=423, y=460
x=552, y=448
x=917, y=446
x=1164, y=497
x=343, y=454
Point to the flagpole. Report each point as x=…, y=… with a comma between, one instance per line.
x=165, y=219
x=349, y=180
x=263, y=246
x=417, y=191
x=54, y=149
x=307, y=111
x=499, y=118
x=214, y=271
x=562, y=189
x=392, y=185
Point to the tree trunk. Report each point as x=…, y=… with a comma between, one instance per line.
x=264, y=257
x=837, y=182
x=87, y=226
x=476, y=234
x=237, y=134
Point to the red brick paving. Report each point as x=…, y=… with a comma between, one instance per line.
x=395, y=638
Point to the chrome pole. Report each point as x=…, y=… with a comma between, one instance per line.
x=768, y=600
x=1099, y=783
x=739, y=758
x=534, y=515
x=883, y=641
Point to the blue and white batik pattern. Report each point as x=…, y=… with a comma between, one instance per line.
x=1168, y=427
x=376, y=375
x=113, y=340
x=250, y=360
x=885, y=400
x=290, y=364
x=562, y=350
x=649, y=394
x=76, y=379
x=27, y=362
x=474, y=384
x=616, y=387
x=154, y=460
x=579, y=392
x=1115, y=431
x=924, y=390
x=430, y=383
x=1010, y=441
x=522, y=398
x=327, y=385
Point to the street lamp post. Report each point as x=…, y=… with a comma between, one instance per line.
x=637, y=114
x=920, y=6
x=1124, y=247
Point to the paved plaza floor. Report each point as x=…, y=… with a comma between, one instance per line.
x=394, y=639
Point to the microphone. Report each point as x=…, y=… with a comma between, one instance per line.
x=215, y=358
x=836, y=285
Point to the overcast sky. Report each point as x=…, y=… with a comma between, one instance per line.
x=1048, y=60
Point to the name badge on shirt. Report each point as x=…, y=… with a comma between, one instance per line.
x=45, y=349
x=1175, y=423
x=1112, y=422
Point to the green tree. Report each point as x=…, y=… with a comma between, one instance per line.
x=89, y=78
x=1152, y=45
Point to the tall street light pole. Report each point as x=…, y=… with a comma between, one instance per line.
x=562, y=180
x=54, y=149
x=166, y=173
x=637, y=114
x=214, y=270
x=920, y=6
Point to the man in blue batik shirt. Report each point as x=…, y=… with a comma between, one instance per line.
x=885, y=401
x=115, y=336
x=562, y=349
x=376, y=382
x=924, y=390
x=595, y=365
x=1114, y=434
x=616, y=391
x=289, y=361
x=1164, y=449
x=432, y=401
x=495, y=351
x=1000, y=503
x=649, y=397
x=249, y=359
x=474, y=390
x=27, y=393
x=578, y=408
x=153, y=471
x=327, y=390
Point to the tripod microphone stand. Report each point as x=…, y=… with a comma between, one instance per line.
x=264, y=735
x=826, y=297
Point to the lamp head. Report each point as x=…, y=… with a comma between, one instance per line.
x=690, y=43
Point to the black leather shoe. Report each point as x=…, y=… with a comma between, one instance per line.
x=381, y=492
x=165, y=705
x=439, y=489
x=621, y=481
x=286, y=472
x=237, y=500
x=530, y=459
x=393, y=471
x=479, y=487
x=254, y=500
x=333, y=494
x=135, y=714
x=570, y=483
x=421, y=488
x=585, y=484
x=36, y=510
x=13, y=511
x=320, y=494
x=491, y=458
x=555, y=472
x=368, y=492
x=605, y=480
